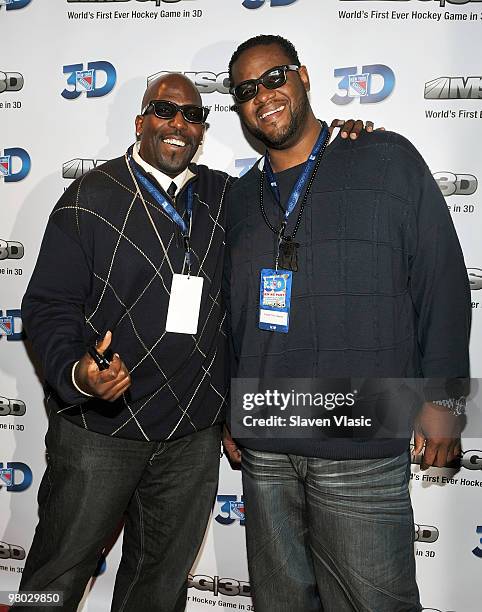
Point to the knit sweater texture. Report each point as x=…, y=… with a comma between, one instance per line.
x=381, y=291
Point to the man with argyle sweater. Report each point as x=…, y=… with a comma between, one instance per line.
x=141, y=438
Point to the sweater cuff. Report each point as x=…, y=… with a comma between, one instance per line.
x=445, y=388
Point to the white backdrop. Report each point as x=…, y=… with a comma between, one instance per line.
x=413, y=66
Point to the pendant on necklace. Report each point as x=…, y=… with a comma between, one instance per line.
x=288, y=254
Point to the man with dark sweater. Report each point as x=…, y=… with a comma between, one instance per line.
x=379, y=290
x=141, y=437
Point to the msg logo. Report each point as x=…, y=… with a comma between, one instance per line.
x=207, y=82
x=475, y=278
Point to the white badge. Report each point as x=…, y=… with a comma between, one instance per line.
x=184, y=304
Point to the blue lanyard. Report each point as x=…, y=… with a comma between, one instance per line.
x=168, y=208
x=308, y=168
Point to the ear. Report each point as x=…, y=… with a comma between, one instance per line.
x=139, y=122
x=305, y=79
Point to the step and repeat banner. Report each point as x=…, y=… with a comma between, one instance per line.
x=72, y=75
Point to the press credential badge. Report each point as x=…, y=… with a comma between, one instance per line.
x=275, y=300
x=184, y=304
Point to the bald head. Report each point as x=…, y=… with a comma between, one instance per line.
x=162, y=88
x=169, y=144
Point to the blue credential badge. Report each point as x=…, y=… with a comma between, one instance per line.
x=275, y=300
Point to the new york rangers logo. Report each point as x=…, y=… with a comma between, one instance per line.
x=475, y=278
x=237, y=508
x=358, y=85
x=6, y=326
x=6, y=476
x=5, y=165
x=84, y=80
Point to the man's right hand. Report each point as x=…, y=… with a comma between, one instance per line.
x=108, y=384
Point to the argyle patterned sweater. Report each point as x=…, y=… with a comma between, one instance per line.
x=101, y=267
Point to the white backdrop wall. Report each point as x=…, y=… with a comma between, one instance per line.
x=419, y=72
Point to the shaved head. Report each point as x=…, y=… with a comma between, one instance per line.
x=161, y=86
x=169, y=144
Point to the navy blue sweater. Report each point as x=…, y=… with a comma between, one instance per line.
x=381, y=291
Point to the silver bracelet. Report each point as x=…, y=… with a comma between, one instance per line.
x=455, y=406
x=75, y=384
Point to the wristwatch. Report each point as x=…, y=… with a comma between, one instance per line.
x=454, y=405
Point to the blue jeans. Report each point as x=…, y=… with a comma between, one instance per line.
x=165, y=491
x=327, y=535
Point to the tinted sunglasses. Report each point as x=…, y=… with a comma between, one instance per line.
x=271, y=79
x=164, y=109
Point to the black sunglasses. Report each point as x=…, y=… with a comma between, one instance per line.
x=271, y=79
x=165, y=109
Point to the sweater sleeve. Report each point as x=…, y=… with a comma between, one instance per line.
x=441, y=296
x=53, y=308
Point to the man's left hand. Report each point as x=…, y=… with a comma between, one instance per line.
x=231, y=449
x=352, y=128
x=439, y=430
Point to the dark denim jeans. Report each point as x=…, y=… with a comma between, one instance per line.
x=166, y=491
x=335, y=536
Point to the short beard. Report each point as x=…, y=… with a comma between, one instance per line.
x=283, y=139
x=170, y=164
x=172, y=167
